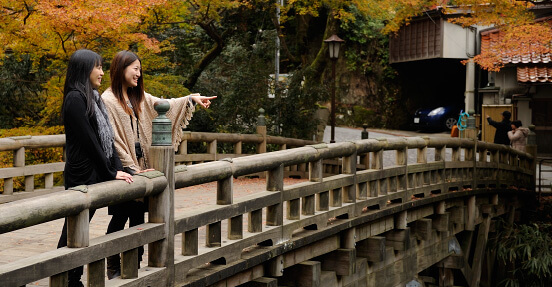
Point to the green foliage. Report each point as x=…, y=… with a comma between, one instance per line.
x=165, y=86
x=528, y=249
x=367, y=58
x=362, y=115
x=297, y=109
x=21, y=93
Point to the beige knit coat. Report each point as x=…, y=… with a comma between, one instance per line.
x=180, y=112
x=518, y=138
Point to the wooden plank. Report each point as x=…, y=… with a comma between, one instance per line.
x=225, y=190
x=262, y=282
x=213, y=236
x=398, y=239
x=275, y=266
x=422, y=228
x=190, y=242
x=31, y=169
x=341, y=261
x=196, y=217
x=329, y=279
x=129, y=264
x=293, y=209
x=441, y=221
x=457, y=215
x=446, y=277
x=255, y=221
x=361, y=265
x=454, y=261
x=58, y=280
x=235, y=227
x=96, y=273
x=481, y=244
x=306, y=274
x=307, y=205
x=400, y=220
x=471, y=213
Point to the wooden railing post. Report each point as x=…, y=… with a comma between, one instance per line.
x=470, y=155
x=349, y=164
x=316, y=174
x=19, y=161
x=531, y=148
x=161, y=206
x=212, y=149
x=440, y=155
x=261, y=130
x=422, y=178
x=378, y=187
x=402, y=160
x=275, y=183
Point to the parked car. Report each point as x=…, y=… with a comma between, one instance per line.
x=436, y=118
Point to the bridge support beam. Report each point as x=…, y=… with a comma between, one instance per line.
x=482, y=236
x=305, y=274
x=341, y=261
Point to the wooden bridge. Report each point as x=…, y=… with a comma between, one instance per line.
x=355, y=222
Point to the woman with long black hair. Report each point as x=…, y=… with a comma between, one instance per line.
x=90, y=151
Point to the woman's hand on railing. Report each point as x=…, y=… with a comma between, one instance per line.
x=124, y=176
x=201, y=100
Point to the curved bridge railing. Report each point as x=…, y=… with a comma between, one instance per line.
x=281, y=227
x=39, y=179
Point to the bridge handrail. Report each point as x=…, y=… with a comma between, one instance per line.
x=15, y=143
x=25, y=213
x=245, y=138
x=18, y=145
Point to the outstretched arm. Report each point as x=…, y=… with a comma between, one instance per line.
x=201, y=100
x=491, y=122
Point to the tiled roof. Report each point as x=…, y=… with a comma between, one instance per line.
x=490, y=37
x=531, y=67
x=534, y=74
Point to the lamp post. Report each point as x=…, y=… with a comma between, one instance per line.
x=334, y=44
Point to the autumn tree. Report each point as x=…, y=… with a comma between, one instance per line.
x=47, y=32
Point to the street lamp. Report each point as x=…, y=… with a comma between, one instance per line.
x=334, y=44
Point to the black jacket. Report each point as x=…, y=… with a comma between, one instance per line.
x=502, y=129
x=86, y=162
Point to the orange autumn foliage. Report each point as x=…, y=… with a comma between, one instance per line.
x=56, y=28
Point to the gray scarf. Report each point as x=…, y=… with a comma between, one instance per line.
x=105, y=131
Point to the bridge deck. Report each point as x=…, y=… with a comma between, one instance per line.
x=43, y=237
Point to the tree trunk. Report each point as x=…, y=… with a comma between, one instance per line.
x=208, y=58
x=319, y=63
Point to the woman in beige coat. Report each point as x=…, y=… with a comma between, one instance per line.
x=518, y=136
x=131, y=112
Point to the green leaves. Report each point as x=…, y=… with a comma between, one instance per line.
x=529, y=248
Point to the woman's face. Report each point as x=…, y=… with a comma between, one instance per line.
x=132, y=74
x=513, y=127
x=96, y=76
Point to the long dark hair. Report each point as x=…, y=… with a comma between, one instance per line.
x=117, y=73
x=81, y=64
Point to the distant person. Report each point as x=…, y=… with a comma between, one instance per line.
x=518, y=136
x=90, y=151
x=502, y=128
x=131, y=112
